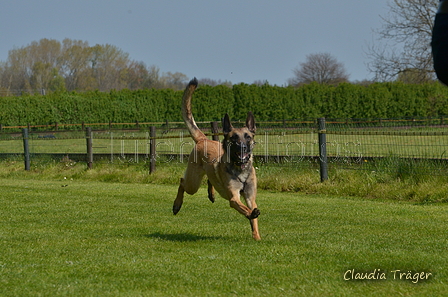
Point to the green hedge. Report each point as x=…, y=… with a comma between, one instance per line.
x=268, y=103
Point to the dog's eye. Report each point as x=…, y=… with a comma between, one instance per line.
x=248, y=137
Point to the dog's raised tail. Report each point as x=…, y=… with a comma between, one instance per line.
x=195, y=132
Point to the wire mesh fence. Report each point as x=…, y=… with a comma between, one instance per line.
x=362, y=145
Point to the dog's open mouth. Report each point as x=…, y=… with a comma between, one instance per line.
x=243, y=156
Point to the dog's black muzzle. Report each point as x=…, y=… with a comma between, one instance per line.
x=241, y=153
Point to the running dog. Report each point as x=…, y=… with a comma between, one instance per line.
x=228, y=165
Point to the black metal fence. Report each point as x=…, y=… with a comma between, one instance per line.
x=347, y=144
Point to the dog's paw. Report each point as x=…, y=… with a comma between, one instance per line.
x=255, y=213
x=211, y=198
x=176, y=208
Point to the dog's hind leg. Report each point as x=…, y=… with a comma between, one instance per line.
x=211, y=192
x=190, y=183
x=179, y=198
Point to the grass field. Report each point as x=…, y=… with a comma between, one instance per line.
x=63, y=237
x=391, y=179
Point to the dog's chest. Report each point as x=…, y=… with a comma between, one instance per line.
x=241, y=176
x=238, y=179
x=225, y=178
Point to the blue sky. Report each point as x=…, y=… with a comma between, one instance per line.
x=239, y=41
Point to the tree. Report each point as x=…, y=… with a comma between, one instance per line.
x=413, y=76
x=260, y=82
x=109, y=67
x=404, y=41
x=213, y=82
x=74, y=65
x=322, y=68
x=32, y=67
x=174, y=81
x=41, y=75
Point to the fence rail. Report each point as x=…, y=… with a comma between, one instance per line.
x=329, y=143
x=342, y=123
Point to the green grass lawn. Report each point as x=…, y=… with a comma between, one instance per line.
x=79, y=238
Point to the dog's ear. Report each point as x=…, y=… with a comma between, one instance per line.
x=250, y=122
x=226, y=125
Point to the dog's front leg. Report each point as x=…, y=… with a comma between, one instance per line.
x=255, y=232
x=251, y=214
x=254, y=218
x=249, y=194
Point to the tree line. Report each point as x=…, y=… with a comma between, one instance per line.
x=268, y=103
x=73, y=65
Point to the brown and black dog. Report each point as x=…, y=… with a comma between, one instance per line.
x=228, y=165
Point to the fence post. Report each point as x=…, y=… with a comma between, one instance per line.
x=215, y=131
x=26, y=148
x=322, y=150
x=89, y=147
x=152, y=150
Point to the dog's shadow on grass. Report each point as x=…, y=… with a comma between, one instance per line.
x=181, y=237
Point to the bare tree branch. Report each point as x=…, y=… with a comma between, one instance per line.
x=404, y=41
